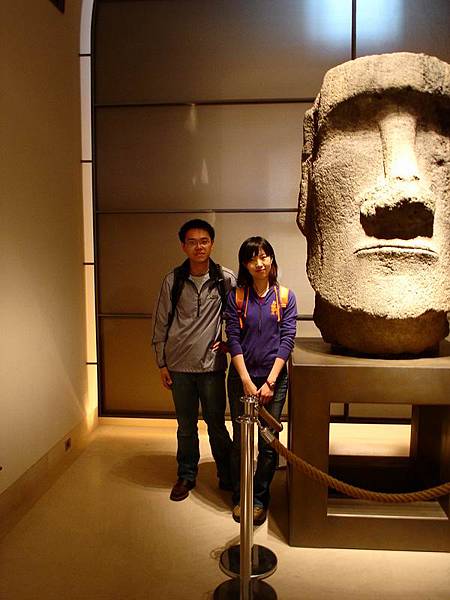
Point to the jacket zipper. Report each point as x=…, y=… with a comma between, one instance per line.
x=259, y=317
x=198, y=296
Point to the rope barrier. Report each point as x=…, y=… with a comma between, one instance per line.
x=351, y=490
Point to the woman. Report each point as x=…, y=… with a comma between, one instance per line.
x=260, y=325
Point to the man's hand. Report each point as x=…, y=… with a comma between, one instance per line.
x=166, y=379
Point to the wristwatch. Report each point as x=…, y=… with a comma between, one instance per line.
x=271, y=386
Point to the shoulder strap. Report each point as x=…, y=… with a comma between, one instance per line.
x=241, y=296
x=180, y=274
x=240, y=292
x=284, y=296
x=281, y=299
x=216, y=273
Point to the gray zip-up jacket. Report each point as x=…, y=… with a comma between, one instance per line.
x=186, y=346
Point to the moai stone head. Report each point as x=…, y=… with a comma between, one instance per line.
x=374, y=203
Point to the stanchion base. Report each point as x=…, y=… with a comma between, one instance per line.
x=264, y=561
x=230, y=590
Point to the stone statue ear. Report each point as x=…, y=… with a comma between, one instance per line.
x=308, y=142
x=303, y=195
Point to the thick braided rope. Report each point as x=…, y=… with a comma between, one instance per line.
x=353, y=491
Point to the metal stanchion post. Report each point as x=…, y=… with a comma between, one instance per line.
x=246, y=524
x=246, y=563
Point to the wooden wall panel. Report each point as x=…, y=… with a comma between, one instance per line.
x=199, y=157
x=204, y=50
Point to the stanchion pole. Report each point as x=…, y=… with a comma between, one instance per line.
x=246, y=501
x=246, y=563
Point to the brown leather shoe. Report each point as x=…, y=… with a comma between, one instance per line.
x=259, y=515
x=180, y=490
x=236, y=514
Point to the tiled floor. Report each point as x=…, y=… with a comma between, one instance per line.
x=107, y=531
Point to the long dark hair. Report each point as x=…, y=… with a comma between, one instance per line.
x=249, y=249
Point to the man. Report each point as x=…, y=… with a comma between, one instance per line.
x=375, y=202
x=187, y=340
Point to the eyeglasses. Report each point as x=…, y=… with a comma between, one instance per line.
x=202, y=243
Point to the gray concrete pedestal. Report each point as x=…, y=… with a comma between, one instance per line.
x=318, y=377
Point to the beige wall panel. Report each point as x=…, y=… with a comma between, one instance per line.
x=191, y=158
x=92, y=389
x=131, y=380
x=216, y=49
x=403, y=25
x=88, y=216
x=85, y=26
x=91, y=335
x=136, y=251
x=85, y=88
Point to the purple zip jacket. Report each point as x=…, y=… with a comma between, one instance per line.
x=262, y=338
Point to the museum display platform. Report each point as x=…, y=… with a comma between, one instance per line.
x=321, y=518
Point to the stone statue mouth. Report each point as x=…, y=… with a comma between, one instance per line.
x=397, y=248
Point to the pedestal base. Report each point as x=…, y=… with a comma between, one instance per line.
x=316, y=519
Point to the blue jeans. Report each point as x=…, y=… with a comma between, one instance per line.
x=208, y=388
x=267, y=457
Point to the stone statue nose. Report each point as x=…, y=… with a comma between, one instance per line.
x=402, y=206
x=398, y=209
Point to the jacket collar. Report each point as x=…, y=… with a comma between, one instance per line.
x=214, y=270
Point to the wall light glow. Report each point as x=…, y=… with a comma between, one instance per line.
x=328, y=21
x=379, y=21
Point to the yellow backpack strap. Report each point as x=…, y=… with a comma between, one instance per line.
x=281, y=299
x=284, y=296
x=240, y=297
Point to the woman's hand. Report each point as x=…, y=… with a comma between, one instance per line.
x=219, y=347
x=265, y=394
x=249, y=387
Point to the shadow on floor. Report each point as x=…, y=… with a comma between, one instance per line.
x=159, y=471
x=207, y=488
x=147, y=470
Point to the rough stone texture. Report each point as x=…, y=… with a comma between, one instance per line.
x=374, y=203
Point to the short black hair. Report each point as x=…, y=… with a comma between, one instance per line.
x=196, y=224
x=250, y=248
